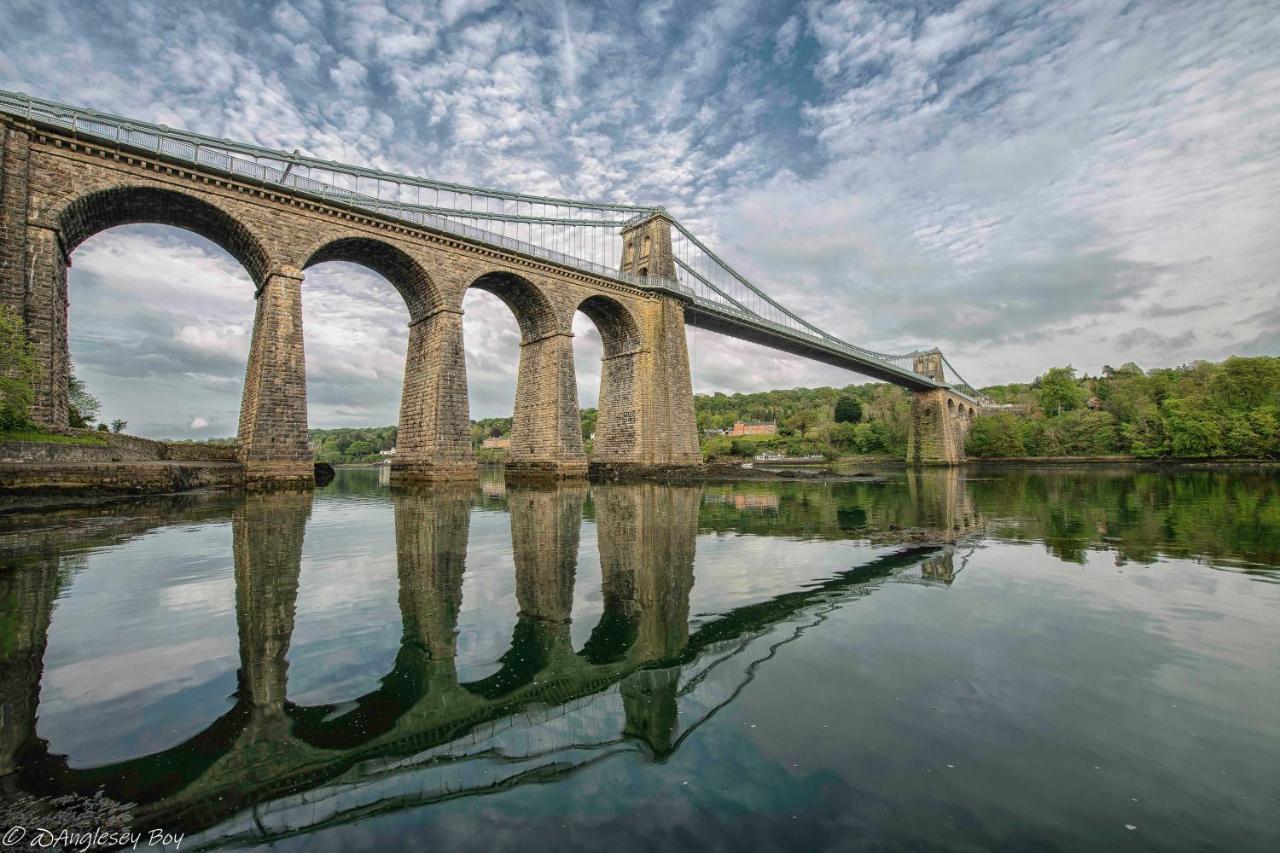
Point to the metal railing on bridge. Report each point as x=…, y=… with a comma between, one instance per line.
x=576, y=234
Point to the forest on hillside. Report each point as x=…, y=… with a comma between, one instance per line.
x=1228, y=409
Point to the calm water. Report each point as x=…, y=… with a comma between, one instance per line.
x=1013, y=659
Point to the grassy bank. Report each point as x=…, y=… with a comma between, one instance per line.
x=50, y=437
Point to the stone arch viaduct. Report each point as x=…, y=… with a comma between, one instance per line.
x=59, y=188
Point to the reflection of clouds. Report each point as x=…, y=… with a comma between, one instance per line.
x=347, y=626
x=100, y=679
x=735, y=569
x=487, y=617
x=206, y=596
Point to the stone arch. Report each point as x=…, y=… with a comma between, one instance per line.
x=407, y=275
x=546, y=432
x=619, y=330
x=618, y=418
x=533, y=310
x=61, y=230
x=99, y=210
x=951, y=406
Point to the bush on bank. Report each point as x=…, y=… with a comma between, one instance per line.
x=1229, y=409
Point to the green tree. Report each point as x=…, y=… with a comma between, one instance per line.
x=83, y=407
x=119, y=425
x=997, y=434
x=1192, y=429
x=18, y=372
x=848, y=410
x=1059, y=391
x=358, y=450
x=1247, y=383
x=844, y=435
x=589, y=418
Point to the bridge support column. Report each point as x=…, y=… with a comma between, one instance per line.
x=546, y=435
x=273, y=443
x=667, y=432
x=434, y=439
x=33, y=280
x=939, y=426
x=43, y=309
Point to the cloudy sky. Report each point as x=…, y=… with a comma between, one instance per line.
x=1024, y=184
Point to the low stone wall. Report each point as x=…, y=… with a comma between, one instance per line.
x=118, y=448
x=181, y=452
x=87, y=478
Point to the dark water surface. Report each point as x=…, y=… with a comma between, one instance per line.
x=1013, y=659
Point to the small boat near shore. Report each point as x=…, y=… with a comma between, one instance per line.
x=769, y=457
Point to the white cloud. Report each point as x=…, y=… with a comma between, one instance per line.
x=996, y=178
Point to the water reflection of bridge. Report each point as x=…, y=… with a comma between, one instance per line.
x=266, y=749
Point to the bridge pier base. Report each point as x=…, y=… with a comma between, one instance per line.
x=940, y=422
x=272, y=443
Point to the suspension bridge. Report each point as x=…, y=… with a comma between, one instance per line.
x=641, y=250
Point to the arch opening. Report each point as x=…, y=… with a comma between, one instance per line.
x=355, y=328
x=606, y=342
x=405, y=274
x=503, y=314
x=188, y=334
x=97, y=211
x=158, y=328
x=357, y=341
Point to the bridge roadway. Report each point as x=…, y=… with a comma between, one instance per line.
x=266, y=749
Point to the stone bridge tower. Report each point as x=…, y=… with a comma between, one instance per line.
x=646, y=247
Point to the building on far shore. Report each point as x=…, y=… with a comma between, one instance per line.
x=502, y=443
x=754, y=428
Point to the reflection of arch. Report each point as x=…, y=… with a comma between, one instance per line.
x=405, y=274
x=97, y=211
x=531, y=307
